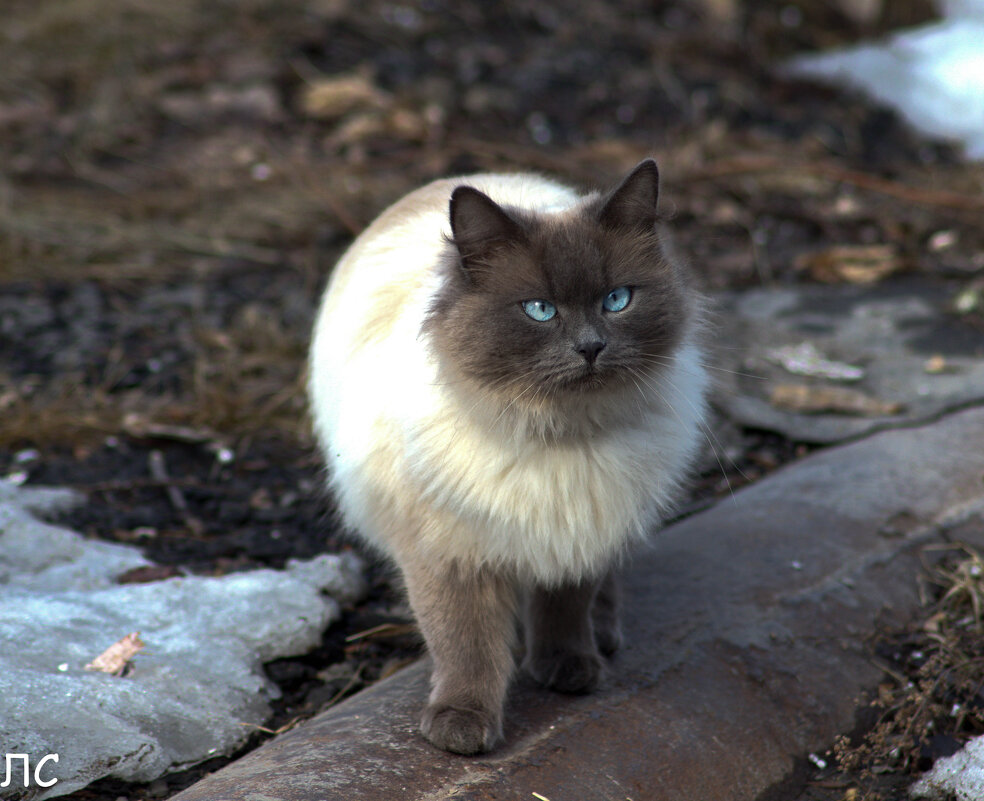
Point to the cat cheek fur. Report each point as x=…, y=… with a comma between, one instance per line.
x=450, y=451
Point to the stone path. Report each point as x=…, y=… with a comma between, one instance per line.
x=745, y=627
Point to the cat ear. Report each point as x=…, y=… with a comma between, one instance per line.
x=633, y=203
x=478, y=223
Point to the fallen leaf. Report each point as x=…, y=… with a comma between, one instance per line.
x=935, y=364
x=855, y=264
x=805, y=359
x=861, y=12
x=147, y=573
x=970, y=299
x=116, y=658
x=331, y=98
x=810, y=399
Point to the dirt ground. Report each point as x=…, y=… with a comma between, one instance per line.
x=176, y=180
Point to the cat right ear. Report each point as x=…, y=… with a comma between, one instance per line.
x=632, y=204
x=479, y=225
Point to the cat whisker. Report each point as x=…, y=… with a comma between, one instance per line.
x=717, y=449
x=667, y=359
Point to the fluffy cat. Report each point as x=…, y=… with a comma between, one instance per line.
x=507, y=389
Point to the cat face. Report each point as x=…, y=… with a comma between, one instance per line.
x=538, y=306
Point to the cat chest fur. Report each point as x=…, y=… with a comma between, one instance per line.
x=554, y=509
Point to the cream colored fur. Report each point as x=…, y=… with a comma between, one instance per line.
x=426, y=465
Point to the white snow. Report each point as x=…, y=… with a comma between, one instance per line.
x=960, y=776
x=932, y=75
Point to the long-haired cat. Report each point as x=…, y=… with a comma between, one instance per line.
x=506, y=386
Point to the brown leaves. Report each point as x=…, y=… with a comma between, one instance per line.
x=815, y=399
x=116, y=658
x=853, y=264
x=333, y=97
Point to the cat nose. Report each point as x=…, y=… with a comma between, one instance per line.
x=590, y=349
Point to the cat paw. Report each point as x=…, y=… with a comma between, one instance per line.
x=571, y=672
x=461, y=731
x=608, y=638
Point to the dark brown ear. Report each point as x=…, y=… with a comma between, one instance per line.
x=479, y=225
x=633, y=203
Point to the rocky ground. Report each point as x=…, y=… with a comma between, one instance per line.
x=176, y=181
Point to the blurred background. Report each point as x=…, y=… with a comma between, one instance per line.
x=177, y=179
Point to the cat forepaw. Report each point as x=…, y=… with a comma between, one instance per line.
x=461, y=731
x=571, y=672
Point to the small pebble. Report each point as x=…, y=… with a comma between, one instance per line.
x=27, y=455
x=17, y=478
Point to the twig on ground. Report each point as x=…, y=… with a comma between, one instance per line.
x=158, y=469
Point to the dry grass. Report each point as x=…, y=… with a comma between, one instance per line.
x=934, y=688
x=243, y=382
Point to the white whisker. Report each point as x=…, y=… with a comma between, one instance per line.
x=704, y=428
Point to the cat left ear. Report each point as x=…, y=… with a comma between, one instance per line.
x=478, y=223
x=632, y=204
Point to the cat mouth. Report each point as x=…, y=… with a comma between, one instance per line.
x=585, y=377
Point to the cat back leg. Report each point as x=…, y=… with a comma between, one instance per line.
x=605, y=614
x=560, y=643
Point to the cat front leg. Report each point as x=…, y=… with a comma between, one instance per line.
x=561, y=652
x=467, y=617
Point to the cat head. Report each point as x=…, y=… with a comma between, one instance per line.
x=540, y=306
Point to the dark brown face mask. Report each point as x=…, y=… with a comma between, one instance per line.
x=552, y=304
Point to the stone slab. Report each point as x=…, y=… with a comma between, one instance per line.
x=196, y=690
x=959, y=776
x=891, y=331
x=37, y=555
x=745, y=627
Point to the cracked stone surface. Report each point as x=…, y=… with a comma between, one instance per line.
x=193, y=692
x=891, y=331
x=746, y=627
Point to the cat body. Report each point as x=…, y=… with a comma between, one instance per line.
x=503, y=460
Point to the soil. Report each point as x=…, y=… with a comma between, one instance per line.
x=176, y=182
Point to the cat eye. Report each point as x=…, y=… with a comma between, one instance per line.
x=617, y=299
x=539, y=310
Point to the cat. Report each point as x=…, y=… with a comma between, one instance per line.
x=507, y=385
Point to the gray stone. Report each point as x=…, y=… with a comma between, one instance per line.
x=889, y=331
x=746, y=649
x=960, y=776
x=196, y=690
x=35, y=555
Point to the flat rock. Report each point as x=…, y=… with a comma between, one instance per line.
x=36, y=555
x=916, y=358
x=197, y=689
x=960, y=776
x=745, y=628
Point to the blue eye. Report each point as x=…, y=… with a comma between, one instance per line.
x=617, y=299
x=539, y=310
